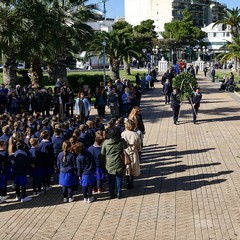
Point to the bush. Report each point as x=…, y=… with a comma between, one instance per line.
x=77, y=81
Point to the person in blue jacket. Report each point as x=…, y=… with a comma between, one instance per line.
x=21, y=168
x=67, y=165
x=95, y=150
x=46, y=147
x=3, y=171
x=36, y=166
x=85, y=170
x=57, y=141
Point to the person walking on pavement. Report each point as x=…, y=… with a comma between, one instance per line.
x=167, y=89
x=175, y=104
x=195, y=100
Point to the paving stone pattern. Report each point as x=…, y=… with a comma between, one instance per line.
x=189, y=186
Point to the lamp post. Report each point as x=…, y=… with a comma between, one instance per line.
x=104, y=63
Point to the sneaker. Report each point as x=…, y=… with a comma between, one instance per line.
x=26, y=199
x=65, y=200
x=18, y=198
x=85, y=200
x=4, y=198
x=48, y=188
x=1, y=201
x=71, y=199
x=91, y=199
x=35, y=193
x=99, y=190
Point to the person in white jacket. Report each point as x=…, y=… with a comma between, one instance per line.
x=134, y=147
x=83, y=107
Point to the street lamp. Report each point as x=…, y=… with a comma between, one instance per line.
x=104, y=63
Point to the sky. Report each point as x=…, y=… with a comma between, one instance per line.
x=115, y=8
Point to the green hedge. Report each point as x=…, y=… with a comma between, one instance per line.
x=77, y=81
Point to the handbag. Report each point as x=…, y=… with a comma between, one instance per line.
x=126, y=158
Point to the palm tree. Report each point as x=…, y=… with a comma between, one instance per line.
x=230, y=17
x=35, y=39
x=119, y=46
x=67, y=33
x=233, y=51
x=11, y=36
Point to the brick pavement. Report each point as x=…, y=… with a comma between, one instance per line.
x=189, y=186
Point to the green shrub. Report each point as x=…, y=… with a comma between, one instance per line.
x=77, y=81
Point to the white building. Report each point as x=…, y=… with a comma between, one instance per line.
x=217, y=36
x=204, y=12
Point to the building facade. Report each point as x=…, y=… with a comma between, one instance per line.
x=204, y=12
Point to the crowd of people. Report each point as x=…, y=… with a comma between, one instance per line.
x=40, y=136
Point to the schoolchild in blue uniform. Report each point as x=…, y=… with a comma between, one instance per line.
x=85, y=137
x=3, y=171
x=67, y=166
x=21, y=168
x=95, y=150
x=57, y=141
x=86, y=170
x=46, y=147
x=36, y=161
x=6, y=134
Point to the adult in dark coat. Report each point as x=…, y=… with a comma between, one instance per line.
x=196, y=98
x=167, y=89
x=175, y=104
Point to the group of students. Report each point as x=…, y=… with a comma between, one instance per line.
x=79, y=152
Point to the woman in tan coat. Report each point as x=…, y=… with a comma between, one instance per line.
x=134, y=147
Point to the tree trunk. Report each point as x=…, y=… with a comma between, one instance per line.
x=10, y=73
x=126, y=66
x=36, y=73
x=58, y=70
x=114, y=69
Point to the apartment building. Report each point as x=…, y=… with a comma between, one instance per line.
x=204, y=12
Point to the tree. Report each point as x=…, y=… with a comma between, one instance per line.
x=233, y=51
x=183, y=32
x=35, y=40
x=11, y=37
x=230, y=17
x=118, y=44
x=144, y=35
x=67, y=33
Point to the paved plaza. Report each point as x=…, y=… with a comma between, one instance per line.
x=189, y=186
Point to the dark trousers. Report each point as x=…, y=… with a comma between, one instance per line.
x=176, y=110
x=115, y=180
x=47, y=180
x=87, y=191
x=69, y=107
x=195, y=111
x=101, y=111
x=167, y=98
x=20, y=191
x=126, y=109
x=67, y=191
x=3, y=191
x=37, y=184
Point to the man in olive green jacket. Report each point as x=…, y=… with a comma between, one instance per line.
x=112, y=151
